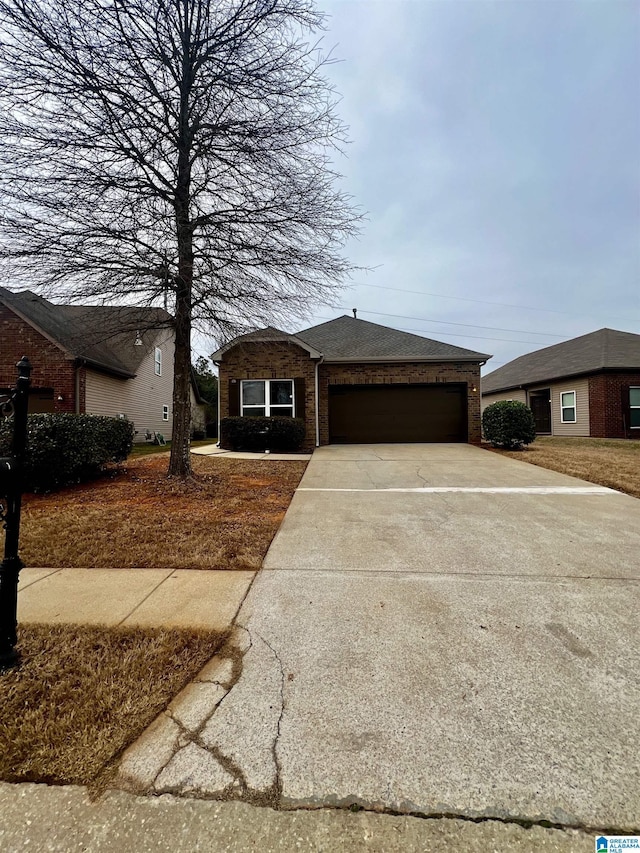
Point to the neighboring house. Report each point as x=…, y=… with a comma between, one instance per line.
x=115, y=361
x=198, y=411
x=354, y=382
x=587, y=386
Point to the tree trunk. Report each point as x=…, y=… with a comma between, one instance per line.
x=180, y=461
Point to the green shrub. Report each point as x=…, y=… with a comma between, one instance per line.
x=509, y=424
x=280, y=434
x=67, y=448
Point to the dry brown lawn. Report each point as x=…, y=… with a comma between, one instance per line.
x=607, y=462
x=135, y=517
x=82, y=694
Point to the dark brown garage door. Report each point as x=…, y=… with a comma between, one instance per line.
x=366, y=414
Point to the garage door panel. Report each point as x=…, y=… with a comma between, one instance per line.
x=364, y=414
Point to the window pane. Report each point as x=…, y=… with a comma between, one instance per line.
x=634, y=396
x=569, y=415
x=253, y=394
x=635, y=417
x=568, y=398
x=254, y=412
x=281, y=411
x=281, y=392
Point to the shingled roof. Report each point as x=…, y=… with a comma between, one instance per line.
x=103, y=336
x=606, y=349
x=349, y=339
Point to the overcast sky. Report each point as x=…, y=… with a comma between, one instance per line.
x=496, y=150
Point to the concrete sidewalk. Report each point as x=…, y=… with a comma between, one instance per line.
x=214, y=450
x=172, y=598
x=455, y=634
x=65, y=819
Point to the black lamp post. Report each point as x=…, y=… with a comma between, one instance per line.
x=11, y=483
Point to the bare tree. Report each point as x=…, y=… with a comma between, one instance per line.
x=180, y=149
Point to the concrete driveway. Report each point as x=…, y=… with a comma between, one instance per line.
x=436, y=630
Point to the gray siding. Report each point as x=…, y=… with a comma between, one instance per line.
x=518, y=394
x=141, y=399
x=581, y=426
x=580, y=386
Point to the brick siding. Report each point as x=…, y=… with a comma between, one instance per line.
x=51, y=367
x=606, y=416
x=281, y=360
x=276, y=360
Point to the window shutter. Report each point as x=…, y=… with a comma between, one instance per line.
x=234, y=398
x=626, y=408
x=298, y=385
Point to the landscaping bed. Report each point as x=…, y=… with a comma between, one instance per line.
x=136, y=517
x=83, y=694
x=607, y=462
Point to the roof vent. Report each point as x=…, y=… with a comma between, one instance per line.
x=138, y=341
x=355, y=311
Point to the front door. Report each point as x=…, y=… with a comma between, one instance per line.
x=540, y=405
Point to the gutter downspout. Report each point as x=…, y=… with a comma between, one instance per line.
x=217, y=364
x=77, y=400
x=318, y=363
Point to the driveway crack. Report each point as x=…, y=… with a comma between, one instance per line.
x=274, y=745
x=524, y=823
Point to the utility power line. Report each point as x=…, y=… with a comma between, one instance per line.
x=455, y=335
x=485, y=302
x=466, y=325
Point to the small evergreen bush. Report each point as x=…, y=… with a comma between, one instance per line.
x=66, y=448
x=508, y=424
x=259, y=433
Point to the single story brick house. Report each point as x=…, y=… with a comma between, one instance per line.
x=354, y=382
x=587, y=386
x=114, y=361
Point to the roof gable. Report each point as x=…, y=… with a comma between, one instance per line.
x=267, y=335
x=605, y=349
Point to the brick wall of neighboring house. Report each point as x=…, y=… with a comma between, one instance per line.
x=608, y=415
x=409, y=372
x=52, y=368
x=276, y=360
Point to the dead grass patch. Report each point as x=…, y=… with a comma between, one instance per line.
x=83, y=694
x=136, y=517
x=607, y=462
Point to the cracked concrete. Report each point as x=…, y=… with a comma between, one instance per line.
x=61, y=819
x=248, y=737
x=201, y=745
x=461, y=658
x=193, y=769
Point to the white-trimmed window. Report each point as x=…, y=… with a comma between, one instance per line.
x=267, y=397
x=568, y=407
x=634, y=407
x=158, y=361
x=165, y=413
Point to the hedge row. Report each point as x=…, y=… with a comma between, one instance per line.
x=65, y=448
x=260, y=433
